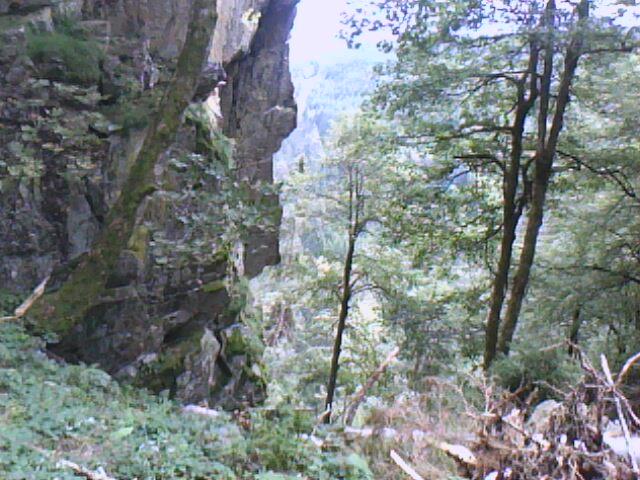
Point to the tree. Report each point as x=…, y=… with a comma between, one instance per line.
x=484, y=89
x=356, y=211
x=61, y=309
x=357, y=156
x=587, y=279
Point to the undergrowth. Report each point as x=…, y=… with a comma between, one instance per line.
x=51, y=411
x=68, y=57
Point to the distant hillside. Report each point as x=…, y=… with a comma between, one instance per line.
x=323, y=93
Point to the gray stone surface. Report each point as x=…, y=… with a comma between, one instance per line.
x=155, y=326
x=23, y=6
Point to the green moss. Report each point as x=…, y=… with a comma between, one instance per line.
x=60, y=311
x=161, y=374
x=213, y=287
x=236, y=343
x=69, y=25
x=139, y=242
x=133, y=110
x=11, y=22
x=65, y=57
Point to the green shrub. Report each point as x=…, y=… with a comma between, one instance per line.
x=66, y=58
x=81, y=414
x=276, y=444
x=532, y=367
x=8, y=303
x=71, y=410
x=133, y=111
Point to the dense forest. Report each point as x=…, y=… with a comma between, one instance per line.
x=421, y=262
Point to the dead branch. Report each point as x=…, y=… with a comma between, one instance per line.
x=621, y=416
x=360, y=395
x=625, y=369
x=460, y=453
x=22, y=310
x=84, y=472
x=408, y=469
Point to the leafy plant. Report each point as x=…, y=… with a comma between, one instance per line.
x=50, y=411
x=532, y=367
x=9, y=302
x=65, y=57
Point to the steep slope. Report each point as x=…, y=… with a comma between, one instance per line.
x=53, y=415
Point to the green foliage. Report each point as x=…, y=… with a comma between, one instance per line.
x=451, y=94
x=9, y=302
x=276, y=445
x=50, y=411
x=69, y=410
x=545, y=369
x=360, y=156
x=214, y=208
x=133, y=110
x=66, y=57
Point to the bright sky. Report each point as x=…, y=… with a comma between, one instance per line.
x=315, y=34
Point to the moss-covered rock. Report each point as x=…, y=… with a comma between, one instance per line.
x=213, y=287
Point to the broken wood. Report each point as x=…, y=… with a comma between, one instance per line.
x=621, y=416
x=360, y=395
x=408, y=469
x=24, y=307
x=625, y=369
x=84, y=472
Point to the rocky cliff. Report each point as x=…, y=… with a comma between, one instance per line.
x=79, y=80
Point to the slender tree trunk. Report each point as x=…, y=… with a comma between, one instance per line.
x=342, y=323
x=521, y=279
x=501, y=277
x=60, y=310
x=510, y=211
x=356, y=208
x=544, y=164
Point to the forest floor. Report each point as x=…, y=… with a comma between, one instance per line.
x=60, y=421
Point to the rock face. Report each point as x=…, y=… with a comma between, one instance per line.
x=78, y=81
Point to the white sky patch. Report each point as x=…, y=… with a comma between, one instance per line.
x=316, y=35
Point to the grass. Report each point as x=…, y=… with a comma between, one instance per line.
x=80, y=414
